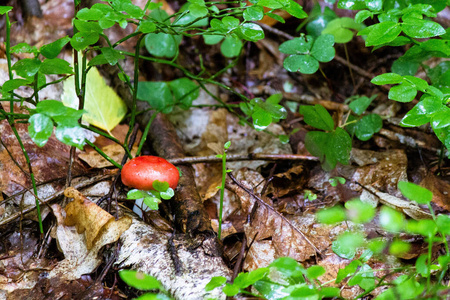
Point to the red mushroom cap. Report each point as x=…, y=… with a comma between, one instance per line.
x=141, y=171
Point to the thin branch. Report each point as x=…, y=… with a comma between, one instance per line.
x=241, y=157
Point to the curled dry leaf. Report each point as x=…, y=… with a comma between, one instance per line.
x=81, y=250
x=89, y=218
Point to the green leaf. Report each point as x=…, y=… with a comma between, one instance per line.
x=387, y=78
x=152, y=202
x=374, y=5
x=215, y=282
x=331, y=215
x=230, y=23
x=211, y=39
x=13, y=84
x=40, y=129
x=185, y=91
x=55, y=66
x=348, y=270
x=382, y=33
x=297, y=45
x=398, y=248
x=168, y=194
x=359, y=212
x=443, y=224
x=419, y=28
x=81, y=40
x=254, y=13
x=5, y=9
x=231, y=46
x=341, y=145
x=360, y=104
x=147, y=26
x=244, y=280
x=139, y=280
x=53, y=49
x=295, y=10
x=391, y=220
x=404, y=92
x=261, y=119
x=319, y=20
x=23, y=48
x=364, y=278
x=422, y=112
x=317, y=116
x=322, y=49
x=414, y=192
x=341, y=29
x=162, y=44
x=251, y=32
x=111, y=55
x=71, y=135
x=315, y=272
x=347, y=244
x=441, y=119
x=160, y=186
x=368, y=126
x=305, y=64
x=198, y=11
x=27, y=67
x=136, y=194
x=289, y=267
x=103, y=107
x=156, y=93
x=92, y=14
x=352, y=4
x=426, y=228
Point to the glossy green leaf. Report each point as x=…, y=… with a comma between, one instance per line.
x=368, y=126
x=419, y=28
x=231, y=46
x=254, y=13
x=135, y=194
x=53, y=49
x=317, y=116
x=399, y=248
x=349, y=269
x=40, y=128
x=198, y=11
x=382, y=33
x=422, y=112
x=23, y=48
x=162, y=44
x=415, y=192
x=352, y=4
x=81, y=40
x=404, y=92
x=56, y=66
x=111, y=55
x=441, y=119
x=185, y=91
x=27, y=67
x=426, y=227
x=288, y=267
x=72, y=136
x=295, y=10
x=152, y=202
x=261, y=119
x=363, y=278
x=387, y=78
x=360, y=104
x=341, y=29
x=244, y=280
x=13, y=84
x=92, y=14
x=322, y=49
x=156, y=93
x=230, y=23
x=305, y=64
x=297, y=45
x=251, y=32
x=443, y=224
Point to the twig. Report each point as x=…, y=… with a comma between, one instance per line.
x=261, y=201
x=241, y=157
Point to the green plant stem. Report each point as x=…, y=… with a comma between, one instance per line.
x=222, y=191
x=135, y=90
x=99, y=151
x=144, y=135
x=350, y=69
x=108, y=136
x=30, y=169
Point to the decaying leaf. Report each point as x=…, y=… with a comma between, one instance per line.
x=288, y=239
x=79, y=258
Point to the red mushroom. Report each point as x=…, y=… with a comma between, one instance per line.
x=142, y=171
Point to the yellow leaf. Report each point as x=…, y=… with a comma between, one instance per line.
x=104, y=108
